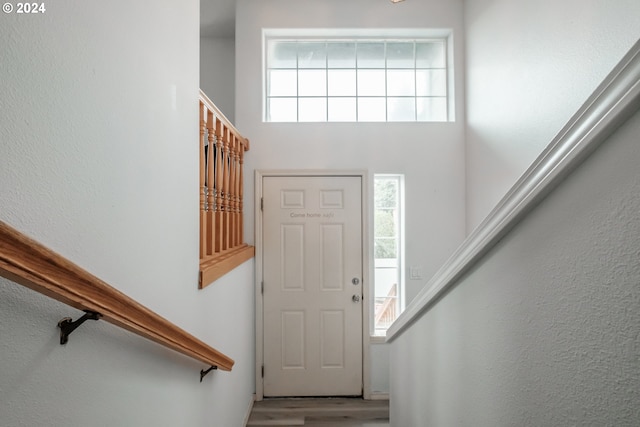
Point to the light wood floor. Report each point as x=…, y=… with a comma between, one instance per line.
x=323, y=412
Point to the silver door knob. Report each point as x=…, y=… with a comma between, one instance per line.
x=355, y=298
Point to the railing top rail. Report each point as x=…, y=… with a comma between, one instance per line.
x=220, y=115
x=29, y=263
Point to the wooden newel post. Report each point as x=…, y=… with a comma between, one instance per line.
x=234, y=192
x=243, y=148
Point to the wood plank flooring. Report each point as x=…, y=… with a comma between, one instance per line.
x=320, y=412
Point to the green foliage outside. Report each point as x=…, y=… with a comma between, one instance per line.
x=385, y=192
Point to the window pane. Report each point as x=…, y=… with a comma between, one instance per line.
x=371, y=55
x=312, y=55
x=432, y=109
x=341, y=55
x=431, y=82
x=400, y=55
x=386, y=309
x=342, y=82
x=401, y=83
x=401, y=109
x=312, y=109
x=282, y=83
x=342, y=109
x=385, y=248
x=371, y=110
x=282, y=54
x=312, y=82
x=384, y=223
x=282, y=110
x=387, y=251
x=386, y=192
x=430, y=55
x=371, y=83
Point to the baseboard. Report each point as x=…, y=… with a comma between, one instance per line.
x=249, y=409
x=379, y=396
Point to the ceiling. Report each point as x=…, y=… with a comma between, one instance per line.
x=217, y=18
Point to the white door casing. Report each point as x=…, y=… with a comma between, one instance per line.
x=312, y=278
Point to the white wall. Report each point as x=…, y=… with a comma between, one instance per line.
x=431, y=155
x=98, y=161
x=217, y=73
x=544, y=330
x=530, y=65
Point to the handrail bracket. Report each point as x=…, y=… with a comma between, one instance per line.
x=67, y=325
x=204, y=373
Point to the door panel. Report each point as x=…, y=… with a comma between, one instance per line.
x=312, y=241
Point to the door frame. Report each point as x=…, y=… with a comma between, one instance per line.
x=366, y=274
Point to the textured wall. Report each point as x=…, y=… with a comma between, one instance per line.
x=98, y=160
x=544, y=330
x=217, y=73
x=530, y=65
x=430, y=155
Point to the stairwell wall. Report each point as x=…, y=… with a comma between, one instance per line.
x=99, y=162
x=529, y=67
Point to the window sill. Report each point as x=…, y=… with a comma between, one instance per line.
x=217, y=266
x=377, y=339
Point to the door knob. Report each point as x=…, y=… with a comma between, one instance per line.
x=355, y=298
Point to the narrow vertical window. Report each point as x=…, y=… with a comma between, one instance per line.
x=388, y=245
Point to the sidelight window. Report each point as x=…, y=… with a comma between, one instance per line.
x=388, y=248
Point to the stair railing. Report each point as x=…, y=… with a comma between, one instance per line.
x=29, y=263
x=222, y=148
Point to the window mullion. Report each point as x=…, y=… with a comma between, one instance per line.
x=326, y=79
x=386, y=85
x=357, y=95
x=415, y=81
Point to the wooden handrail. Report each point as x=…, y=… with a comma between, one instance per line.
x=222, y=150
x=29, y=263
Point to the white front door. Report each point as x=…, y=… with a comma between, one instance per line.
x=312, y=302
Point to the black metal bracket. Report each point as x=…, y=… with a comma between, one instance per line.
x=67, y=325
x=204, y=373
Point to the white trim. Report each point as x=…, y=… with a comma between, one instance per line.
x=614, y=101
x=366, y=243
x=360, y=33
x=377, y=339
x=379, y=396
x=247, y=415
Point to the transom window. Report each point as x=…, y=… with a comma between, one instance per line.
x=356, y=80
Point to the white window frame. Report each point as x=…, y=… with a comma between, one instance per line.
x=399, y=264
x=382, y=35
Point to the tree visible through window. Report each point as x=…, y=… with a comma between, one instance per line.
x=387, y=250
x=356, y=80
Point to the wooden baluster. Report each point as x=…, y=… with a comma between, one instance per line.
x=232, y=192
x=225, y=195
x=203, y=189
x=211, y=229
x=236, y=230
x=220, y=137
